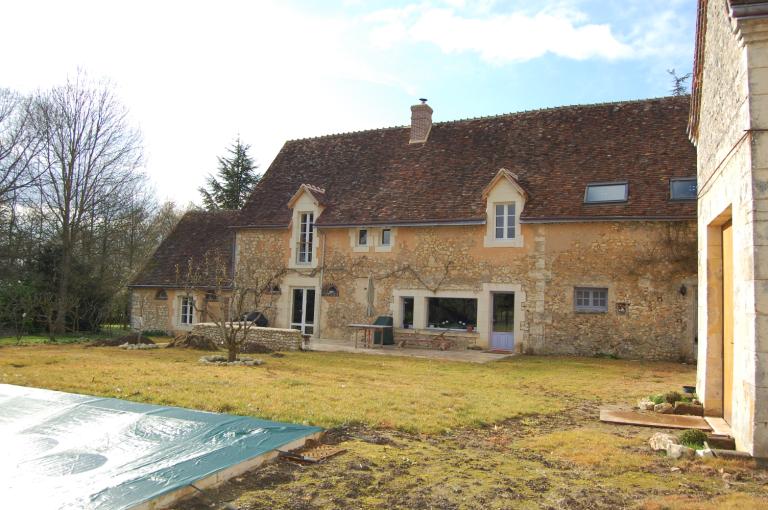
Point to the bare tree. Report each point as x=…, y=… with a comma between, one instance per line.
x=18, y=144
x=230, y=297
x=90, y=154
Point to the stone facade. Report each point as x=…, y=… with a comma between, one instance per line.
x=644, y=266
x=733, y=187
x=276, y=339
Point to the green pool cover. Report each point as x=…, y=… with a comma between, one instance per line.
x=67, y=451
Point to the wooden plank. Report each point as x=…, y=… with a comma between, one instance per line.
x=719, y=426
x=667, y=421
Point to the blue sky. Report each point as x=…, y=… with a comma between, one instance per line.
x=194, y=74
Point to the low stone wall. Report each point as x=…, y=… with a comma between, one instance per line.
x=276, y=339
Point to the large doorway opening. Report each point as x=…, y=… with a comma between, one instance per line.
x=503, y=322
x=303, y=310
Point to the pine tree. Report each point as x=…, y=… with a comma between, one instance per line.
x=236, y=178
x=679, y=83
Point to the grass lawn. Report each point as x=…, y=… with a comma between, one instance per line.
x=520, y=433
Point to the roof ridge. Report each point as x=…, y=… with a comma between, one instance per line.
x=492, y=116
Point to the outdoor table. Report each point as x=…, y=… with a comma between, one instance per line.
x=368, y=330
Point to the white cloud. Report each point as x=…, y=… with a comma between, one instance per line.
x=498, y=38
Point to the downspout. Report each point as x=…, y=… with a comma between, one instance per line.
x=320, y=298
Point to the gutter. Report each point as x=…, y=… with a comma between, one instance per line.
x=749, y=11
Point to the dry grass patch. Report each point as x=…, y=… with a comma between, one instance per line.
x=727, y=502
x=333, y=389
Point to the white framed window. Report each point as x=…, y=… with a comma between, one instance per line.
x=682, y=188
x=386, y=237
x=590, y=299
x=187, y=310
x=606, y=192
x=306, y=237
x=504, y=225
x=362, y=237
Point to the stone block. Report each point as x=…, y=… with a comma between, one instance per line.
x=664, y=408
x=662, y=441
x=688, y=408
x=678, y=451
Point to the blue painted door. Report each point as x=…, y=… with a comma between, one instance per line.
x=503, y=327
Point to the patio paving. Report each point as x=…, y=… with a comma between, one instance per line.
x=329, y=345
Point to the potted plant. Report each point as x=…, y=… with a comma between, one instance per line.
x=470, y=328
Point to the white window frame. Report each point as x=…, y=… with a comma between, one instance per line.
x=590, y=307
x=505, y=220
x=187, y=311
x=306, y=238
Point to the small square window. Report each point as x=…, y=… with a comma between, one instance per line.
x=682, y=189
x=606, y=192
x=590, y=299
x=362, y=237
x=386, y=237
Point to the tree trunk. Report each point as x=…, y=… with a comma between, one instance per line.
x=62, y=296
x=231, y=352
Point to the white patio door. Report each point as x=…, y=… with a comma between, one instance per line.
x=303, y=310
x=503, y=330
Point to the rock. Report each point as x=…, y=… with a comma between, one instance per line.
x=645, y=405
x=691, y=409
x=664, y=408
x=661, y=441
x=705, y=453
x=678, y=451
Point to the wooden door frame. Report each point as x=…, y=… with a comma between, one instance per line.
x=727, y=310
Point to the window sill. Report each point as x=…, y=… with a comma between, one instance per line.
x=591, y=311
x=516, y=242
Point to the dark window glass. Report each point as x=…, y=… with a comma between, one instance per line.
x=386, y=237
x=682, y=189
x=407, y=312
x=362, y=237
x=452, y=313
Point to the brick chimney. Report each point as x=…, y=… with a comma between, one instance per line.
x=421, y=121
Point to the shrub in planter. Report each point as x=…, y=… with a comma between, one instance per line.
x=672, y=397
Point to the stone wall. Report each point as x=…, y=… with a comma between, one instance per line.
x=154, y=313
x=643, y=264
x=733, y=187
x=276, y=339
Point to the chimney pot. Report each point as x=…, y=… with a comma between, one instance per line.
x=421, y=121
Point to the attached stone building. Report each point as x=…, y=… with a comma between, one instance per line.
x=729, y=120
x=567, y=230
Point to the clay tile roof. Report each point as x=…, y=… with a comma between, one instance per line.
x=197, y=233
x=377, y=177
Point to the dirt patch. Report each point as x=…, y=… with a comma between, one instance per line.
x=132, y=339
x=479, y=468
x=192, y=341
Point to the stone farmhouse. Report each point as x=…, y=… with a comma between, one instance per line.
x=568, y=230
x=729, y=121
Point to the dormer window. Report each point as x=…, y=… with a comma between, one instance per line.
x=606, y=192
x=505, y=221
x=682, y=188
x=307, y=225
